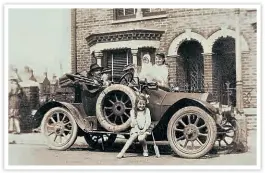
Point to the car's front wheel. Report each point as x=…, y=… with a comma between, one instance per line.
x=59, y=128
x=191, y=132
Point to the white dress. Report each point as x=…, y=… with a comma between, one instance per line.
x=146, y=71
x=160, y=75
x=140, y=121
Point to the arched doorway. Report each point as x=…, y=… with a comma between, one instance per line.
x=190, y=67
x=224, y=70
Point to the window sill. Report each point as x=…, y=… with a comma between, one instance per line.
x=139, y=19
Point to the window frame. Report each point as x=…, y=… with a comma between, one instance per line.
x=121, y=17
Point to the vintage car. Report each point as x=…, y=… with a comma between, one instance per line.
x=191, y=125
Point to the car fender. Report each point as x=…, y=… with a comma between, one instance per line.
x=38, y=116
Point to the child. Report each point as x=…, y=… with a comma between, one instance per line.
x=140, y=122
x=105, y=77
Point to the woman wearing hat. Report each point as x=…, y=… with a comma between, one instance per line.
x=14, y=105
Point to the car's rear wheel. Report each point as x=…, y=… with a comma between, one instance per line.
x=100, y=140
x=59, y=128
x=191, y=132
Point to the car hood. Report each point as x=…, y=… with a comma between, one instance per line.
x=168, y=98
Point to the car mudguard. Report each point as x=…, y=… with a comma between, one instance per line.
x=76, y=110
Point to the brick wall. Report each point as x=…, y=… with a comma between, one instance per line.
x=30, y=101
x=202, y=21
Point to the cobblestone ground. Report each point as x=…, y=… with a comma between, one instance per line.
x=30, y=150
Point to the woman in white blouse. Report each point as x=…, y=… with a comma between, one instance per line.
x=160, y=71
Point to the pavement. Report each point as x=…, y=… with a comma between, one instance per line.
x=39, y=139
x=30, y=149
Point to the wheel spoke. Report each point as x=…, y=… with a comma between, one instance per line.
x=121, y=119
x=202, y=134
x=67, y=123
x=180, y=138
x=53, y=120
x=204, y=125
x=126, y=114
x=51, y=133
x=115, y=119
x=197, y=120
x=219, y=143
x=180, y=130
x=107, y=107
x=111, y=102
x=189, y=118
x=198, y=140
x=127, y=108
x=67, y=130
x=192, y=145
x=126, y=102
x=116, y=98
x=64, y=135
x=55, y=138
x=229, y=136
x=58, y=117
x=186, y=143
x=63, y=117
x=110, y=114
x=122, y=97
x=102, y=137
x=225, y=142
x=182, y=123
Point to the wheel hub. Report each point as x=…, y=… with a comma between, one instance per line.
x=118, y=108
x=191, y=132
x=59, y=128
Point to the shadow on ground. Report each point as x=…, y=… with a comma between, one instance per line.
x=137, y=148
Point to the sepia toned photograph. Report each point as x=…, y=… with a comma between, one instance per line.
x=132, y=86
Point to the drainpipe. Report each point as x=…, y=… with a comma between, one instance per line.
x=242, y=143
x=73, y=41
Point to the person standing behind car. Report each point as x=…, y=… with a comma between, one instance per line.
x=14, y=96
x=160, y=71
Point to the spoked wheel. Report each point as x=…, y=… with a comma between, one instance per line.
x=100, y=140
x=126, y=79
x=191, y=132
x=59, y=128
x=113, y=107
x=227, y=136
x=117, y=107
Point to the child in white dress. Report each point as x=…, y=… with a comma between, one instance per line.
x=140, y=122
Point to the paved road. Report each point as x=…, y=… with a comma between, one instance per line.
x=37, y=154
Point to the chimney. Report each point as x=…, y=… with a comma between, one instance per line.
x=54, y=77
x=31, y=72
x=15, y=70
x=45, y=74
x=26, y=69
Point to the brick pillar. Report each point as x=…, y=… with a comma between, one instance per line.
x=171, y=61
x=99, y=56
x=208, y=72
x=134, y=58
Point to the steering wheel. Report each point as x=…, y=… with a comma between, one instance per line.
x=127, y=79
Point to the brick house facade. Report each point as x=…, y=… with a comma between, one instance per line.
x=199, y=45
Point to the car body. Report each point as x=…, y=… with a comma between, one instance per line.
x=104, y=112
